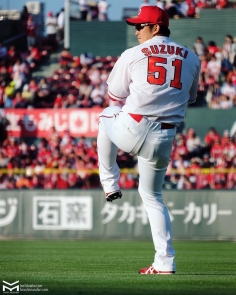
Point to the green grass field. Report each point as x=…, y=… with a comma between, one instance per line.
x=85, y=267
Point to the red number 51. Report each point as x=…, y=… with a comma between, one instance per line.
x=153, y=68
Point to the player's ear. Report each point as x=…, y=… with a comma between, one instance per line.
x=156, y=29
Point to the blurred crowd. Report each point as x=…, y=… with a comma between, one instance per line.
x=55, y=162
x=217, y=83
x=80, y=82
x=64, y=162
x=210, y=164
x=188, y=8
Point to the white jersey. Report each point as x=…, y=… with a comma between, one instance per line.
x=102, y=6
x=157, y=78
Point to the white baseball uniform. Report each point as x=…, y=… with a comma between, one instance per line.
x=156, y=79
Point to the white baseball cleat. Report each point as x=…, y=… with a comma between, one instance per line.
x=152, y=271
x=113, y=196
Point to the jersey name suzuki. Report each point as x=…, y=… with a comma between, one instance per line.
x=157, y=78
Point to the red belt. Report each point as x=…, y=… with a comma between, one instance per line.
x=138, y=118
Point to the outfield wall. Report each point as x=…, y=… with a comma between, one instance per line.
x=113, y=37
x=85, y=214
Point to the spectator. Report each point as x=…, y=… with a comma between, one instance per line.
x=214, y=68
x=34, y=56
x=144, y=3
x=212, y=48
x=206, y=163
x=225, y=102
x=58, y=102
x=102, y=10
x=9, y=92
x=61, y=24
x=30, y=32
x=228, y=49
x=97, y=95
x=65, y=58
x=214, y=94
x=84, y=9
x=3, y=127
x=199, y=47
x=225, y=138
x=24, y=17
x=70, y=102
x=180, y=148
x=3, y=51
x=231, y=76
x=43, y=94
x=193, y=143
x=84, y=94
x=234, y=53
x=228, y=89
x=51, y=29
x=160, y=4
x=4, y=74
x=2, y=95
x=221, y=4
x=19, y=73
x=191, y=10
x=216, y=150
x=184, y=183
x=28, y=95
x=173, y=9
x=18, y=101
x=22, y=182
x=211, y=136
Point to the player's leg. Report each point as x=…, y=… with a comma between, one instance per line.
x=117, y=130
x=152, y=162
x=107, y=151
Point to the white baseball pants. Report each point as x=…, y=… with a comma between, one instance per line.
x=153, y=146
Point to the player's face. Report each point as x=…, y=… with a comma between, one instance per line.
x=144, y=33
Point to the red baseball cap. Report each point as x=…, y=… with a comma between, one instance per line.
x=150, y=15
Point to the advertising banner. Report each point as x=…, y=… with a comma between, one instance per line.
x=38, y=122
x=86, y=214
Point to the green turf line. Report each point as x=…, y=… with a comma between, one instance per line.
x=85, y=267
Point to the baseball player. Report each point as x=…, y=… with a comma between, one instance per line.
x=157, y=79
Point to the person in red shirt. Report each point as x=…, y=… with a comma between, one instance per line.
x=222, y=4
x=12, y=150
x=225, y=138
x=65, y=58
x=232, y=76
x=43, y=154
x=2, y=95
x=212, y=48
x=127, y=181
x=62, y=182
x=12, y=55
x=211, y=136
x=58, y=102
x=180, y=149
x=229, y=150
x=34, y=56
x=216, y=150
x=92, y=151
